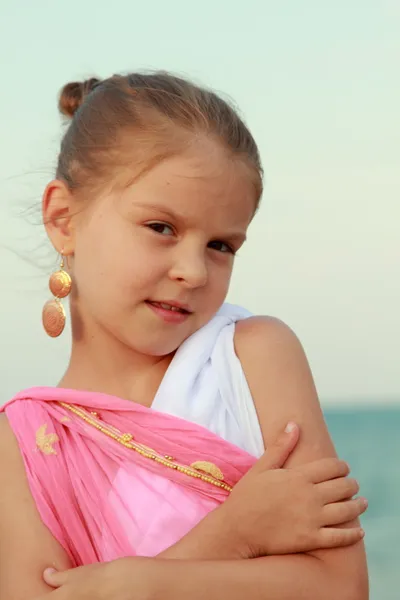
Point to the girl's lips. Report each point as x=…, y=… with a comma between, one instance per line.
x=168, y=315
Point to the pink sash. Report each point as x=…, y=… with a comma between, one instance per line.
x=112, y=478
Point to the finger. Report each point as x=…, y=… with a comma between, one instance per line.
x=343, y=512
x=339, y=538
x=338, y=489
x=325, y=469
x=55, y=578
x=279, y=451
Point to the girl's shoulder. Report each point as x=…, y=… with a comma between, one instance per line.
x=275, y=365
x=282, y=385
x=259, y=335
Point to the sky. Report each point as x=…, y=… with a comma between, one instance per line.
x=318, y=84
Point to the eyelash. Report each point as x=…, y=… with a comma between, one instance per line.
x=229, y=250
x=153, y=226
x=159, y=224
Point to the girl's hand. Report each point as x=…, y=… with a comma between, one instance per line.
x=122, y=579
x=215, y=538
x=301, y=509
x=278, y=511
x=92, y=582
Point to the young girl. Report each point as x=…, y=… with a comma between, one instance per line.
x=137, y=477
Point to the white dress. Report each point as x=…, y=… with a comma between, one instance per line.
x=205, y=384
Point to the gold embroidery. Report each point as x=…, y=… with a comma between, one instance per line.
x=45, y=441
x=208, y=467
x=65, y=420
x=212, y=475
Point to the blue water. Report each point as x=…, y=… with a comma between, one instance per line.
x=369, y=439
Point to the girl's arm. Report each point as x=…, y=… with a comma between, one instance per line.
x=283, y=389
x=293, y=577
x=26, y=545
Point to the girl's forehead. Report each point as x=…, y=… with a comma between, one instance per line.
x=198, y=181
x=209, y=167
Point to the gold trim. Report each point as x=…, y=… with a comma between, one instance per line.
x=126, y=440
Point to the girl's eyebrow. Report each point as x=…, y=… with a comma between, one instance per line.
x=160, y=209
x=238, y=235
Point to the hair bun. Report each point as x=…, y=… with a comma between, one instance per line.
x=74, y=93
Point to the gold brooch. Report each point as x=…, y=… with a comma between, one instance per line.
x=209, y=468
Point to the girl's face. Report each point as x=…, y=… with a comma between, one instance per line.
x=152, y=264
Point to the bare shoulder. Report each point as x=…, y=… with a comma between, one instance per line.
x=282, y=385
x=262, y=333
x=283, y=390
x=26, y=545
x=256, y=335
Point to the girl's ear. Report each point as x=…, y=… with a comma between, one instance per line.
x=57, y=216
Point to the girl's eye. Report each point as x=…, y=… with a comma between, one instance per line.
x=221, y=247
x=161, y=228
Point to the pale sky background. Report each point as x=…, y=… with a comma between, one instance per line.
x=318, y=83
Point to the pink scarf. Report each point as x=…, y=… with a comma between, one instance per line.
x=112, y=478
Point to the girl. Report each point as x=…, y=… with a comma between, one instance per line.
x=147, y=450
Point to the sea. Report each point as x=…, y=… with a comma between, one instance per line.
x=369, y=439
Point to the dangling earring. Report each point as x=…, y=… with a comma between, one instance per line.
x=53, y=316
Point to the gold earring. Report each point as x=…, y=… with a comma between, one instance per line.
x=53, y=316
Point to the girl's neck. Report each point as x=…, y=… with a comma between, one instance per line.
x=102, y=364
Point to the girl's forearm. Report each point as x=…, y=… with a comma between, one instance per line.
x=295, y=577
x=214, y=538
x=220, y=574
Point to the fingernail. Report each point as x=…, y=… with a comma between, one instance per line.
x=49, y=571
x=362, y=533
x=290, y=427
